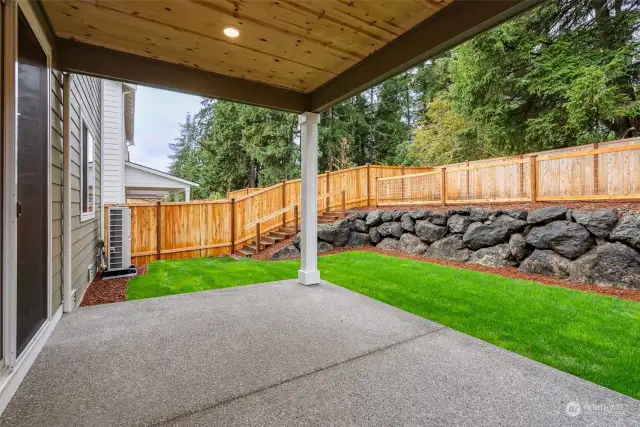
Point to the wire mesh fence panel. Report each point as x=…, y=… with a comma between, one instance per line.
x=421, y=188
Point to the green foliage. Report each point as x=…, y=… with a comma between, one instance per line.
x=566, y=73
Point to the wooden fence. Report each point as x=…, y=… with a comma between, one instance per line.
x=205, y=228
x=593, y=172
x=215, y=227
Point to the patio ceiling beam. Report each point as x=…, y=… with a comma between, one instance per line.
x=82, y=58
x=449, y=27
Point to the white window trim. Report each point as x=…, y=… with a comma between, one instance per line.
x=87, y=216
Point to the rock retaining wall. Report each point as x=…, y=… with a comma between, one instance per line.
x=590, y=246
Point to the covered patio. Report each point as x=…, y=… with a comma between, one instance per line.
x=276, y=353
x=284, y=354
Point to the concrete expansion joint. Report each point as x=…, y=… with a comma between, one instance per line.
x=295, y=378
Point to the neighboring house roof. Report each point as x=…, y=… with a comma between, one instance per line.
x=163, y=175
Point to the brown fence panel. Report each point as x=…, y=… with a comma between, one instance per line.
x=612, y=172
x=505, y=181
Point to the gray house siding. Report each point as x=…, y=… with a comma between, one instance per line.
x=86, y=102
x=57, y=181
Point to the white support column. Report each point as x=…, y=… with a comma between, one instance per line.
x=187, y=194
x=308, y=273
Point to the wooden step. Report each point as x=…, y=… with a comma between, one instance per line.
x=246, y=252
x=269, y=240
x=325, y=221
x=288, y=231
x=275, y=236
x=263, y=245
x=334, y=215
x=280, y=235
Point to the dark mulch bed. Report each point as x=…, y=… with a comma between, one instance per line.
x=107, y=291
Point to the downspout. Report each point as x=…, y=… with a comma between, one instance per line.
x=66, y=196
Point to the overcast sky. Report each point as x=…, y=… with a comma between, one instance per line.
x=157, y=123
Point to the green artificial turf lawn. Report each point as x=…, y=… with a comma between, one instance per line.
x=592, y=336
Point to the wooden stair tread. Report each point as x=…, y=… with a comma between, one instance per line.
x=246, y=252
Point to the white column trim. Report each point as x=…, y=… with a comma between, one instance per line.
x=308, y=273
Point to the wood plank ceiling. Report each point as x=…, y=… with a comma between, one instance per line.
x=294, y=44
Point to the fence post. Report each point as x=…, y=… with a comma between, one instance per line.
x=521, y=176
x=295, y=214
x=327, y=199
x=284, y=202
x=443, y=186
x=468, y=185
x=368, y=184
x=158, y=231
x=257, y=237
x=596, y=176
x=344, y=202
x=376, y=192
x=402, y=182
x=533, y=178
x=233, y=225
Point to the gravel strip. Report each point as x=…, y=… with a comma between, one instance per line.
x=107, y=291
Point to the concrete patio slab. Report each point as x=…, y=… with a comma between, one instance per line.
x=285, y=354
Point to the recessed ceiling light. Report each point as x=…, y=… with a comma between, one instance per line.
x=232, y=32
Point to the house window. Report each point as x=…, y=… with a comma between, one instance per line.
x=87, y=172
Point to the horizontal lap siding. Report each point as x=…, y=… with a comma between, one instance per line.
x=57, y=177
x=86, y=95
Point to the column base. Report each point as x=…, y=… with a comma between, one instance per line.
x=308, y=278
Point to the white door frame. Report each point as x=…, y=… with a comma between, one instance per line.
x=10, y=361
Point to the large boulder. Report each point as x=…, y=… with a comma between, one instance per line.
x=518, y=247
x=480, y=235
x=387, y=229
x=374, y=235
x=296, y=240
x=327, y=232
x=600, y=222
x=516, y=213
x=438, y=218
x=429, y=232
x=479, y=214
x=386, y=216
x=458, y=223
x=495, y=256
x=374, y=218
x=324, y=247
x=548, y=214
x=398, y=214
x=611, y=264
x=407, y=223
x=343, y=230
x=412, y=244
x=420, y=214
x=389, y=243
x=566, y=238
x=357, y=239
x=546, y=263
x=627, y=231
x=513, y=225
x=289, y=251
x=451, y=247
x=360, y=226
